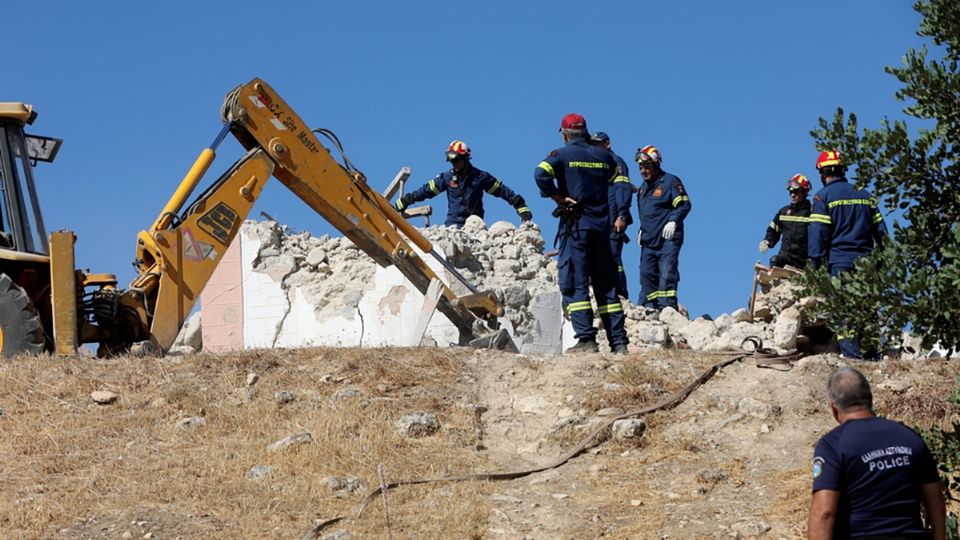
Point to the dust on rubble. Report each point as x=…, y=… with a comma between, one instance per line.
x=729, y=462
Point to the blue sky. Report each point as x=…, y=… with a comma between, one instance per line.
x=727, y=90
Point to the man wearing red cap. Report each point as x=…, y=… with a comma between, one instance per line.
x=577, y=177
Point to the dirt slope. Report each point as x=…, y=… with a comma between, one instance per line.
x=729, y=462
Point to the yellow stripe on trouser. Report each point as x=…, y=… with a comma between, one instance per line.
x=547, y=167
x=433, y=188
x=493, y=189
x=679, y=199
x=620, y=269
x=821, y=218
x=661, y=294
x=610, y=308
x=579, y=306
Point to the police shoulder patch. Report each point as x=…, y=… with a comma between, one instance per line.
x=554, y=153
x=679, y=187
x=817, y=466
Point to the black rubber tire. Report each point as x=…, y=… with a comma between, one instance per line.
x=20, y=328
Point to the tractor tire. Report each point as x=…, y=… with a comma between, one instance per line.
x=20, y=328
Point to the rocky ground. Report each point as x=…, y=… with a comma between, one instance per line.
x=268, y=444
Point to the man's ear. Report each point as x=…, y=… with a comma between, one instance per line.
x=836, y=412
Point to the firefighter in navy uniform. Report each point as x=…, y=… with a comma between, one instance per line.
x=790, y=224
x=845, y=225
x=619, y=199
x=662, y=204
x=465, y=186
x=577, y=177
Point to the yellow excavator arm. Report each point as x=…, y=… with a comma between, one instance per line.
x=177, y=255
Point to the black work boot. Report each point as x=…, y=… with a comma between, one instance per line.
x=584, y=346
x=619, y=349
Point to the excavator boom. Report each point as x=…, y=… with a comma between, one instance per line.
x=178, y=254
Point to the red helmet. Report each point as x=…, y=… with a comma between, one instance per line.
x=798, y=181
x=648, y=154
x=457, y=149
x=829, y=158
x=573, y=121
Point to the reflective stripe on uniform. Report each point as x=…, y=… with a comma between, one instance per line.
x=877, y=218
x=620, y=269
x=399, y=204
x=547, y=167
x=679, y=199
x=610, y=308
x=522, y=209
x=820, y=218
x=774, y=226
x=654, y=295
x=797, y=219
x=433, y=187
x=493, y=189
x=588, y=165
x=846, y=202
x=579, y=306
x=668, y=294
x=621, y=178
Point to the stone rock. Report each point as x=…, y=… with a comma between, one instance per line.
x=337, y=535
x=316, y=256
x=656, y=333
x=345, y=394
x=191, y=422
x=566, y=423
x=345, y=484
x=103, y=397
x=506, y=266
x=252, y=378
x=610, y=411
x=516, y=296
x=787, y=328
x=629, y=428
x=418, y=424
x=501, y=228
x=191, y=335
x=474, y=223
x=181, y=350
x=290, y=441
x=758, y=409
x=673, y=318
x=723, y=322
x=280, y=266
x=259, y=471
x=741, y=315
x=283, y=397
x=700, y=333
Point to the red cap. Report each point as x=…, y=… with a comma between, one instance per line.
x=573, y=121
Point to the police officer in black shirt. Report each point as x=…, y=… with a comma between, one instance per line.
x=870, y=474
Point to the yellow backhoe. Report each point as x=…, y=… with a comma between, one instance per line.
x=48, y=305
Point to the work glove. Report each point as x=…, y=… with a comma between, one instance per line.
x=764, y=246
x=669, y=229
x=403, y=202
x=521, y=207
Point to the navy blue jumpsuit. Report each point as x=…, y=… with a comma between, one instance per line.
x=660, y=201
x=620, y=199
x=584, y=173
x=464, y=193
x=844, y=226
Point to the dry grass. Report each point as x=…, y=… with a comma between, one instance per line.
x=90, y=470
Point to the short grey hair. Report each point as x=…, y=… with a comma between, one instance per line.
x=573, y=134
x=849, y=389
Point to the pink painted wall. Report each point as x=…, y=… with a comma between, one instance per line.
x=222, y=304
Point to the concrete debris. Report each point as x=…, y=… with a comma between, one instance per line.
x=629, y=428
x=190, y=335
x=418, y=424
x=103, y=397
x=259, y=471
x=191, y=422
x=334, y=280
x=296, y=439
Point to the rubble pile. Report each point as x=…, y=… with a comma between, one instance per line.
x=333, y=274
